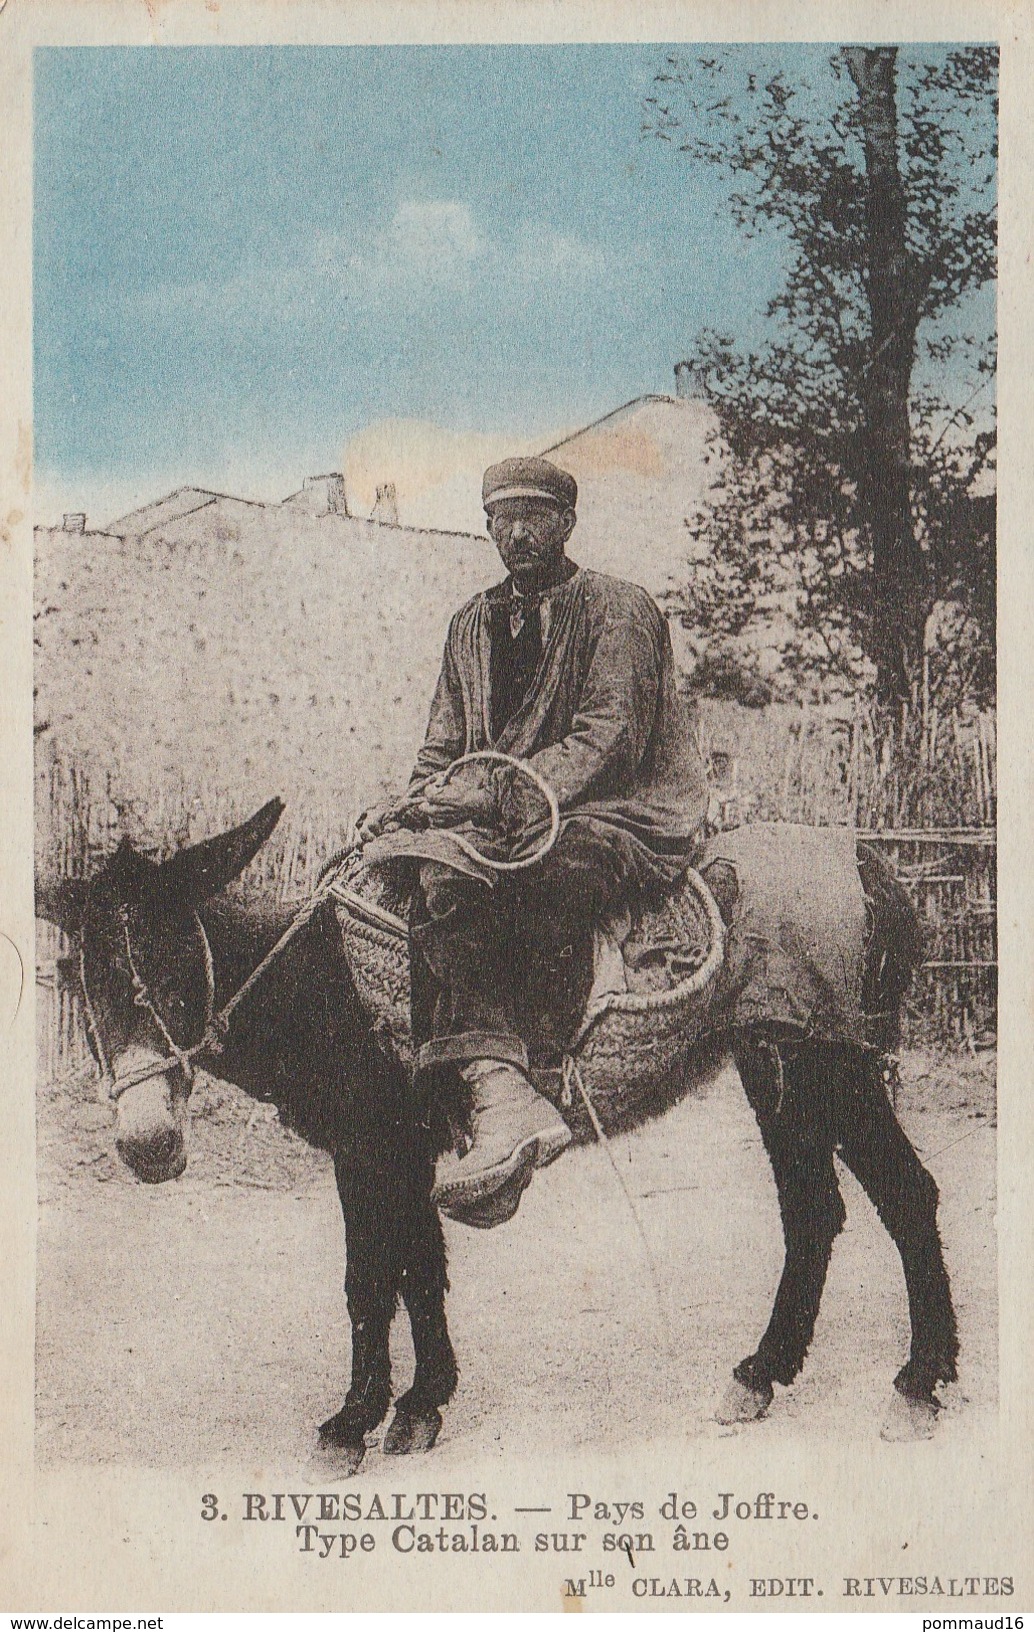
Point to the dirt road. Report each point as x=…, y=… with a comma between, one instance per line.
x=204, y=1319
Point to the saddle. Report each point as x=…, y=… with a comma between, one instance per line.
x=655, y=974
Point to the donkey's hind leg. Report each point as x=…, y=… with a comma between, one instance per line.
x=782, y=1083
x=905, y=1196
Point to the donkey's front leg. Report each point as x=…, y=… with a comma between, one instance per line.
x=418, y=1419
x=374, y=1214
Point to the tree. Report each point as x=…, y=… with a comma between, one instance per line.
x=849, y=478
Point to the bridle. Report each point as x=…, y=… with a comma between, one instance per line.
x=113, y=1086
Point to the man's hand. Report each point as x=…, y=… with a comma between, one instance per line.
x=449, y=804
x=400, y=812
x=521, y=805
x=438, y=803
x=372, y=823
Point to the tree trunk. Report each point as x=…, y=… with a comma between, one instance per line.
x=900, y=601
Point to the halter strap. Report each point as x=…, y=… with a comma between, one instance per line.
x=142, y=997
x=107, y=1075
x=216, y=1024
x=112, y=1086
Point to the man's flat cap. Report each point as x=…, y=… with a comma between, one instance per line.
x=528, y=479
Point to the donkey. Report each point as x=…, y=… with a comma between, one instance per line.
x=164, y=945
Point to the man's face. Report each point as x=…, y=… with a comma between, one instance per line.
x=530, y=535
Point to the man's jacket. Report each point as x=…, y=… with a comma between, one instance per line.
x=602, y=722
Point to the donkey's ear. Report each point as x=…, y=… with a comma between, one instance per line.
x=62, y=901
x=206, y=868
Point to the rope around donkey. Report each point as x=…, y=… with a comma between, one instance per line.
x=573, y=1079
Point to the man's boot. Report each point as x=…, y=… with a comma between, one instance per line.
x=514, y=1130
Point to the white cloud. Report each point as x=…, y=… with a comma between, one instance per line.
x=440, y=242
x=426, y=237
x=540, y=252
x=433, y=242
x=425, y=245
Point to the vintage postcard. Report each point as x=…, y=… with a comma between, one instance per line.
x=514, y=969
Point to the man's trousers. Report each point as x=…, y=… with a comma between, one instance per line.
x=504, y=972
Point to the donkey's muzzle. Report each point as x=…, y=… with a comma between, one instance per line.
x=150, y=1120
x=157, y=1159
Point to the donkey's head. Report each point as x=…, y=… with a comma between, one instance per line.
x=147, y=980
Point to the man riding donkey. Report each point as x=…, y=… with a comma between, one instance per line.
x=572, y=672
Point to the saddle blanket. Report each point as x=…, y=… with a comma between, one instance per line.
x=796, y=945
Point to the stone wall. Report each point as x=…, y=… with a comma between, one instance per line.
x=253, y=649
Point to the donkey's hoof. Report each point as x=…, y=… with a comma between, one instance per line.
x=337, y=1438
x=339, y=1459
x=412, y=1431
x=907, y=1419
x=743, y=1404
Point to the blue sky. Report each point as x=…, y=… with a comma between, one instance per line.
x=245, y=256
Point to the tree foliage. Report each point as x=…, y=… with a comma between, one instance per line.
x=868, y=305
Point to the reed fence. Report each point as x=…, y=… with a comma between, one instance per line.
x=923, y=791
